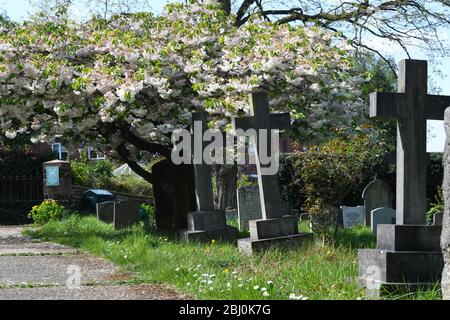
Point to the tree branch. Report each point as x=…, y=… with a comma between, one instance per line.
x=123, y=152
x=142, y=144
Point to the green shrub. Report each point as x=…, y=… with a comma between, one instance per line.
x=92, y=174
x=244, y=181
x=323, y=176
x=148, y=215
x=132, y=184
x=437, y=206
x=98, y=174
x=47, y=211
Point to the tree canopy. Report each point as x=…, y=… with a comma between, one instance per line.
x=128, y=81
x=407, y=23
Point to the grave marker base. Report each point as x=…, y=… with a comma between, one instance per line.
x=204, y=226
x=407, y=258
x=228, y=234
x=389, y=289
x=277, y=232
x=250, y=246
x=273, y=228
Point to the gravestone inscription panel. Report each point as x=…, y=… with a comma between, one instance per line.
x=352, y=216
x=382, y=216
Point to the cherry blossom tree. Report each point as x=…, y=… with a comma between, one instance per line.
x=127, y=82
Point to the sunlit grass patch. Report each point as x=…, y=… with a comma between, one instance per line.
x=218, y=270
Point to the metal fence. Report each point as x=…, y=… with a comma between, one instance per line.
x=18, y=194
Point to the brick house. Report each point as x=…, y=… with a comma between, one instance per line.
x=62, y=153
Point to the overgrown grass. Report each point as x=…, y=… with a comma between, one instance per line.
x=219, y=271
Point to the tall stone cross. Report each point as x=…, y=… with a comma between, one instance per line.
x=412, y=106
x=261, y=118
x=202, y=171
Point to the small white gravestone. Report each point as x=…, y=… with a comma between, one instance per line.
x=382, y=216
x=438, y=219
x=352, y=216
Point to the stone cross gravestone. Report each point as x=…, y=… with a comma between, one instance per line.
x=273, y=228
x=202, y=171
x=352, y=216
x=377, y=194
x=445, y=237
x=206, y=223
x=408, y=255
x=262, y=119
x=382, y=216
x=412, y=106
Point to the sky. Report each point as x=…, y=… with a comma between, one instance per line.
x=19, y=9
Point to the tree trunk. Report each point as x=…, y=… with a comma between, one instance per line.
x=226, y=5
x=226, y=185
x=173, y=189
x=445, y=238
x=226, y=175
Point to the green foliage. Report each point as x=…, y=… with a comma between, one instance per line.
x=323, y=176
x=18, y=163
x=18, y=159
x=244, y=181
x=4, y=20
x=380, y=76
x=98, y=174
x=148, y=215
x=91, y=173
x=435, y=175
x=131, y=184
x=47, y=211
x=437, y=206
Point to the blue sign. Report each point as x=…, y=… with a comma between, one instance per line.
x=52, y=176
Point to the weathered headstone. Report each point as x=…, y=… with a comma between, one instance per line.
x=249, y=205
x=273, y=229
x=105, y=211
x=382, y=216
x=438, y=219
x=126, y=214
x=445, y=237
x=352, y=216
x=121, y=214
x=408, y=254
x=377, y=194
x=231, y=214
x=173, y=187
x=206, y=223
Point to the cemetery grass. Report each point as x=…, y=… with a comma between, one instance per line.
x=219, y=271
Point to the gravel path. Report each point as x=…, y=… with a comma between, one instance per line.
x=31, y=270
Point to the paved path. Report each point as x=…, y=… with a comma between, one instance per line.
x=32, y=270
